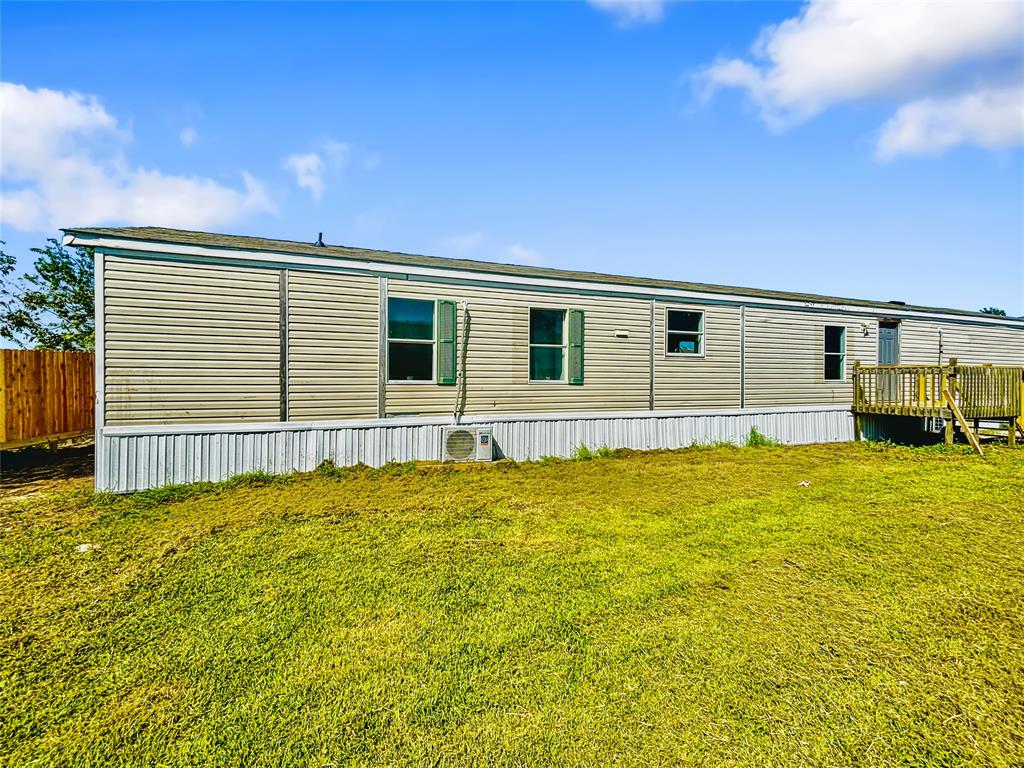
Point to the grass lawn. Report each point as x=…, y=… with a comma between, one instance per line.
x=691, y=607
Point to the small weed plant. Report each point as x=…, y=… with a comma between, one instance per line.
x=757, y=440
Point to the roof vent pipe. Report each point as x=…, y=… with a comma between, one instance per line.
x=320, y=240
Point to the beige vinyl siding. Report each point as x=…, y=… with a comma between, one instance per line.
x=970, y=344
x=785, y=353
x=694, y=381
x=497, y=369
x=189, y=343
x=919, y=342
x=197, y=343
x=976, y=345
x=332, y=345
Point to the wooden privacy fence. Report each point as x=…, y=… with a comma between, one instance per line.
x=46, y=396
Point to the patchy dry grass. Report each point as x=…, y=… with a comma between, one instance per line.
x=693, y=607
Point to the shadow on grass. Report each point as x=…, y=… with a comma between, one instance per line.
x=34, y=470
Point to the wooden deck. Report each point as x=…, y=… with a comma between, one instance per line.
x=960, y=394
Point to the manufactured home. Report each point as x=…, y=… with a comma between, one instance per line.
x=218, y=354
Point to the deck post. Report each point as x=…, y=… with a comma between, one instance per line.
x=1020, y=405
x=856, y=382
x=1011, y=433
x=949, y=385
x=856, y=400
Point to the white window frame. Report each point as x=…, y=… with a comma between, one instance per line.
x=564, y=345
x=703, y=335
x=825, y=353
x=432, y=342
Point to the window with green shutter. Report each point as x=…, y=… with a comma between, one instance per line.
x=447, y=323
x=576, y=346
x=547, y=344
x=410, y=340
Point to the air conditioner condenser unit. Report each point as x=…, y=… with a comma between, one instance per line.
x=467, y=444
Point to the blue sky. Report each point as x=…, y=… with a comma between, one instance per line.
x=642, y=139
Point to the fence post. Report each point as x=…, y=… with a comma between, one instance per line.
x=3, y=396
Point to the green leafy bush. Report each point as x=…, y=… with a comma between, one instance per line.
x=757, y=440
x=582, y=453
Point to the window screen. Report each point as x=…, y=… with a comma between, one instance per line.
x=547, y=344
x=684, y=332
x=835, y=353
x=410, y=340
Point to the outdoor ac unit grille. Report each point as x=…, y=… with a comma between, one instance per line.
x=460, y=444
x=466, y=444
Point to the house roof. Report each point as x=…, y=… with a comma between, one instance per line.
x=245, y=243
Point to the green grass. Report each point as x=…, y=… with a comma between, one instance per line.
x=696, y=607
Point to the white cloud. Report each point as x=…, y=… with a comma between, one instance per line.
x=838, y=51
x=38, y=125
x=518, y=254
x=329, y=155
x=309, y=172
x=338, y=153
x=469, y=244
x=188, y=136
x=62, y=164
x=992, y=118
x=465, y=243
x=842, y=50
x=631, y=13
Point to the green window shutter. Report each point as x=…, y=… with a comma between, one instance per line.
x=446, y=325
x=575, y=346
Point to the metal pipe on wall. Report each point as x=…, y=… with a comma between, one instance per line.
x=283, y=347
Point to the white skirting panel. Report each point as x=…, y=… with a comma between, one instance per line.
x=136, y=458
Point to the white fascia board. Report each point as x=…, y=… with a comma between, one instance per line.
x=343, y=263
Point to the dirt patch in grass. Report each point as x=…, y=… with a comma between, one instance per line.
x=821, y=605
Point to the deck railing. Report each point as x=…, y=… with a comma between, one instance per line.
x=988, y=391
x=980, y=391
